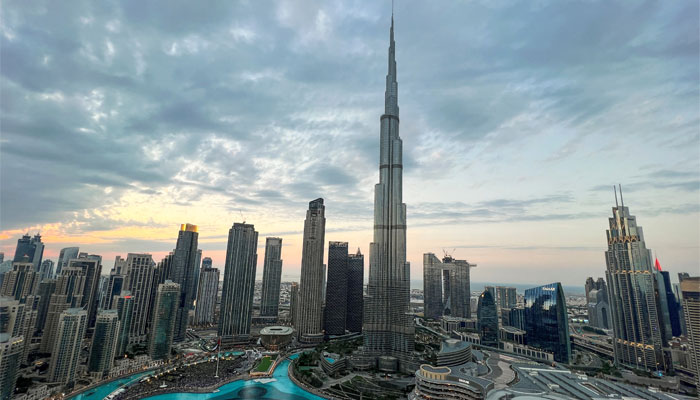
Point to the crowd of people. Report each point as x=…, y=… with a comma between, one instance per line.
x=194, y=378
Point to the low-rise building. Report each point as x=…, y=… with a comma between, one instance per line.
x=448, y=383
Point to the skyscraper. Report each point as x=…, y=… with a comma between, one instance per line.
x=65, y=256
x=92, y=265
x=164, y=318
x=598, y=304
x=206, y=296
x=546, y=321
x=638, y=337
x=690, y=290
x=10, y=360
x=184, y=273
x=239, y=283
x=487, y=319
x=507, y=297
x=293, y=303
x=139, y=281
x=69, y=293
x=46, y=270
x=336, y=289
x=124, y=304
x=46, y=289
x=31, y=247
x=72, y=324
x=356, y=277
x=388, y=326
x=21, y=282
x=666, y=291
x=446, y=287
x=272, y=275
x=206, y=262
x=309, y=318
x=115, y=282
x=104, y=343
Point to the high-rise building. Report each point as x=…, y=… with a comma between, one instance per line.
x=690, y=291
x=30, y=247
x=487, y=319
x=514, y=317
x=206, y=296
x=336, y=289
x=356, y=277
x=206, y=262
x=65, y=356
x=65, y=256
x=104, y=343
x=140, y=282
x=197, y=270
x=598, y=306
x=124, y=304
x=506, y=297
x=46, y=289
x=92, y=265
x=11, y=316
x=446, y=287
x=21, y=282
x=272, y=276
x=239, y=283
x=69, y=293
x=184, y=273
x=10, y=360
x=46, y=269
x=388, y=326
x=309, y=321
x=116, y=281
x=546, y=321
x=665, y=288
x=293, y=303
x=114, y=286
x=2, y=256
x=637, y=324
x=164, y=319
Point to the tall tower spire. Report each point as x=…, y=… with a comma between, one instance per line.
x=388, y=327
x=391, y=105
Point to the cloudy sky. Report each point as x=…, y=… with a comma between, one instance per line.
x=121, y=120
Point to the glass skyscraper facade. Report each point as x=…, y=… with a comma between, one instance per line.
x=164, y=317
x=239, y=283
x=638, y=324
x=336, y=288
x=356, y=276
x=272, y=275
x=184, y=272
x=487, y=319
x=546, y=322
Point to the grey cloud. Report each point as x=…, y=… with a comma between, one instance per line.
x=282, y=97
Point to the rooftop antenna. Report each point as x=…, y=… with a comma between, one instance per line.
x=622, y=201
x=242, y=217
x=615, y=190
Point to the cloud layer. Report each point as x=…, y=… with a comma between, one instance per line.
x=122, y=120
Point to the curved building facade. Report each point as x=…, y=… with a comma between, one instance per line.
x=487, y=319
x=546, y=321
x=448, y=383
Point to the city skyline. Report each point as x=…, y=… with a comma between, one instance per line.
x=488, y=93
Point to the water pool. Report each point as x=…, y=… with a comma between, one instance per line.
x=279, y=387
x=103, y=391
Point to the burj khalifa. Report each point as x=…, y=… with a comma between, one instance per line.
x=388, y=328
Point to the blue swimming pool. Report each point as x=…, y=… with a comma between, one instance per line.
x=279, y=387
